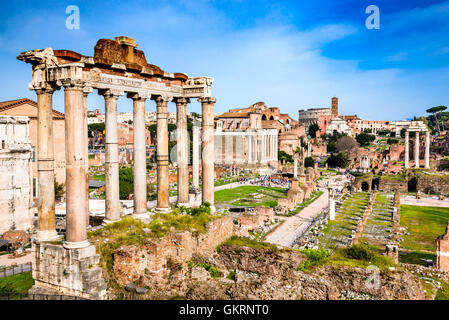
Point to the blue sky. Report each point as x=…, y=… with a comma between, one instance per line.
x=289, y=54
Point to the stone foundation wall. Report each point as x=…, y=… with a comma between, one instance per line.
x=437, y=184
x=392, y=185
x=154, y=259
x=74, y=272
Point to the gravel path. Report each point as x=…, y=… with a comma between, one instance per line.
x=286, y=233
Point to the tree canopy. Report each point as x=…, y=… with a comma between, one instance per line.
x=364, y=139
x=313, y=128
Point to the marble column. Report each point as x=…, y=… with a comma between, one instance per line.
x=427, y=151
x=76, y=169
x=86, y=92
x=249, y=149
x=295, y=165
x=416, y=149
x=111, y=158
x=45, y=165
x=182, y=148
x=139, y=155
x=207, y=158
x=163, y=186
x=407, y=147
x=196, y=157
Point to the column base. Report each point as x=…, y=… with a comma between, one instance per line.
x=163, y=210
x=106, y=222
x=184, y=204
x=47, y=236
x=141, y=216
x=76, y=245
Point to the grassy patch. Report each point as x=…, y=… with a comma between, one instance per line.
x=424, y=224
x=19, y=283
x=314, y=258
x=416, y=257
x=245, y=242
x=360, y=255
x=244, y=196
x=213, y=271
x=443, y=293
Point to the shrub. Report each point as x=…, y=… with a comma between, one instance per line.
x=213, y=271
x=308, y=162
x=314, y=258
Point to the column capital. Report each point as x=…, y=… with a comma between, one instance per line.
x=45, y=88
x=87, y=90
x=74, y=84
x=110, y=93
x=209, y=100
x=181, y=100
x=138, y=95
x=161, y=99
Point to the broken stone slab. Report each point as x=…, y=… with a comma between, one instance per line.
x=130, y=287
x=141, y=290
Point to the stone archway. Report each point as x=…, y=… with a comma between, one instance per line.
x=365, y=186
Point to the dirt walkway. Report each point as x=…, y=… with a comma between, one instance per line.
x=428, y=202
x=288, y=232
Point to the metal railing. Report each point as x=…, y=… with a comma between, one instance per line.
x=13, y=270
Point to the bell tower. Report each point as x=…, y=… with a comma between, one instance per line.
x=334, y=107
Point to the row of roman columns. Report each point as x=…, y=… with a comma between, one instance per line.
x=262, y=147
x=77, y=201
x=426, y=153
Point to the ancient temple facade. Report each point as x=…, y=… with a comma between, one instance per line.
x=116, y=69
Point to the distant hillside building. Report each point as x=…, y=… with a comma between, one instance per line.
x=339, y=125
x=321, y=116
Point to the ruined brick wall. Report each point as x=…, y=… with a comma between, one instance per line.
x=443, y=251
x=392, y=185
x=154, y=259
x=435, y=184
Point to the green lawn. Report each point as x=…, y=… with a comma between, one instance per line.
x=19, y=283
x=242, y=196
x=424, y=224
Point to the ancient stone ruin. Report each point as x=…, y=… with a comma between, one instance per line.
x=117, y=67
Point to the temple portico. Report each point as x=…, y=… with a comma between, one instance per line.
x=417, y=127
x=116, y=69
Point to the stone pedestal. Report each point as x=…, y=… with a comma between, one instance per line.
x=60, y=271
x=393, y=252
x=195, y=197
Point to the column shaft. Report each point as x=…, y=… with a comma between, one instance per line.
x=196, y=157
x=140, y=159
x=416, y=149
x=407, y=145
x=182, y=148
x=427, y=151
x=111, y=158
x=76, y=169
x=208, y=150
x=45, y=166
x=163, y=186
x=86, y=92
